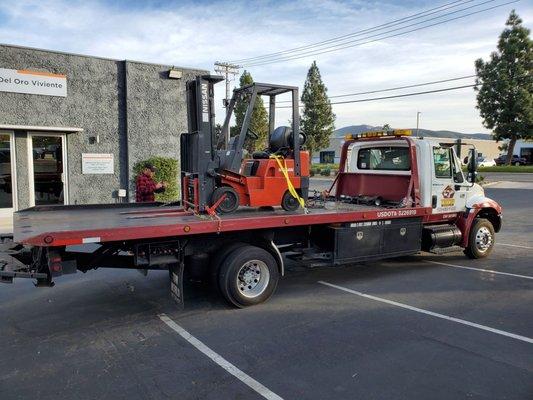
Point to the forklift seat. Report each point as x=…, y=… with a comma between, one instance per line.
x=260, y=155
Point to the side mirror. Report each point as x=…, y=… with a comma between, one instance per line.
x=472, y=166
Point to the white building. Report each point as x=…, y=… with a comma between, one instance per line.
x=524, y=148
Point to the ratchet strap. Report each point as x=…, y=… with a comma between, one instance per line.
x=292, y=190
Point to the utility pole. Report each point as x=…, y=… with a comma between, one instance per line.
x=228, y=71
x=417, y=121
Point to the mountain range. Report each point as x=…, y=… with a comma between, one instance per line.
x=354, y=129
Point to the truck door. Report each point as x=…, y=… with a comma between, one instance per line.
x=449, y=187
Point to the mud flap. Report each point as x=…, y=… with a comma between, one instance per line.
x=176, y=282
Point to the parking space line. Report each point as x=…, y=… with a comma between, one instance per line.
x=433, y=314
x=515, y=245
x=479, y=269
x=221, y=361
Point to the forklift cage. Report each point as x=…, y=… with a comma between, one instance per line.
x=250, y=93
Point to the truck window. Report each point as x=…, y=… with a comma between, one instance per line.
x=384, y=158
x=443, y=162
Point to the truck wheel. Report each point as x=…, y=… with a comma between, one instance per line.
x=230, y=203
x=249, y=275
x=481, y=239
x=217, y=259
x=288, y=202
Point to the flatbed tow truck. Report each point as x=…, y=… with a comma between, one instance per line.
x=394, y=195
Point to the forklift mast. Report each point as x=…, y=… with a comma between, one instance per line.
x=231, y=158
x=198, y=145
x=202, y=162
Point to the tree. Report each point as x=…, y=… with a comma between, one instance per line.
x=505, y=86
x=503, y=147
x=318, y=120
x=259, y=121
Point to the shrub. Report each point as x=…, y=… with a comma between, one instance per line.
x=312, y=172
x=325, y=172
x=167, y=171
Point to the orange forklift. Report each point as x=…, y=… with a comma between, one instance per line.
x=221, y=179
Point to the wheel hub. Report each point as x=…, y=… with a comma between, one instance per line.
x=483, y=239
x=253, y=278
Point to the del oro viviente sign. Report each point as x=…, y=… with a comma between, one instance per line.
x=33, y=82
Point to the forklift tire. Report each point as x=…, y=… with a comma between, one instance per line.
x=230, y=203
x=248, y=276
x=481, y=239
x=288, y=202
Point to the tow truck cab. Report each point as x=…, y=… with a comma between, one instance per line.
x=383, y=169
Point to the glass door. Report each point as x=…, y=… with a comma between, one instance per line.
x=7, y=187
x=47, y=175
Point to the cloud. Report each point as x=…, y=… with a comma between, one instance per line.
x=198, y=33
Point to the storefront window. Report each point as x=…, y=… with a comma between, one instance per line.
x=6, y=188
x=327, y=157
x=47, y=169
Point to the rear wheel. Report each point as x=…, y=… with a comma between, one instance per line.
x=288, y=202
x=230, y=202
x=249, y=275
x=481, y=239
x=517, y=164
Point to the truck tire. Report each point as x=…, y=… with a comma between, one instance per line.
x=230, y=203
x=248, y=276
x=481, y=239
x=288, y=202
x=218, y=258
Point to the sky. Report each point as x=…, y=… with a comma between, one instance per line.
x=198, y=33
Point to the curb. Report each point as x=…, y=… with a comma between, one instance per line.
x=487, y=184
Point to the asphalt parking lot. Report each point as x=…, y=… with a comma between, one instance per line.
x=421, y=327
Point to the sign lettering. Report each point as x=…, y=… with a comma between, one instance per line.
x=33, y=82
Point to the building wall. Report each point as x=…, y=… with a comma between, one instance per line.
x=488, y=148
x=156, y=111
x=132, y=107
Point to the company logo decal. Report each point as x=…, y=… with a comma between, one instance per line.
x=447, y=197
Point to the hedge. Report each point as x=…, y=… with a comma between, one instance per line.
x=167, y=171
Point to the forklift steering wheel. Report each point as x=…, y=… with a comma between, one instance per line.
x=251, y=134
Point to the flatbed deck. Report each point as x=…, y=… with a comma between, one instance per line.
x=72, y=225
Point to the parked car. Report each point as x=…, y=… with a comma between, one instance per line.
x=484, y=162
x=516, y=160
x=481, y=162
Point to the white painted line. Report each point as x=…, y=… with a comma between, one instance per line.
x=515, y=245
x=433, y=314
x=480, y=269
x=218, y=359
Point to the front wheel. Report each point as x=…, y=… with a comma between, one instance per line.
x=481, y=239
x=248, y=276
x=230, y=202
x=288, y=202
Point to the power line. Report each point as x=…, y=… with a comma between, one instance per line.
x=380, y=38
x=337, y=38
x=362, y=41
x=395, y=88
x=395, y=96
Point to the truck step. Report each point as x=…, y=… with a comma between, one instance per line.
x=446, y=250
